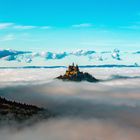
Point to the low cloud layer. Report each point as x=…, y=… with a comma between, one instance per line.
x=106, y=110
x=74, y=129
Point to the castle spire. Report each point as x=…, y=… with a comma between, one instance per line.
x=77, y=68
x=73, y=64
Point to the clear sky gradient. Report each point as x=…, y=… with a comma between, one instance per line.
x=66, y=25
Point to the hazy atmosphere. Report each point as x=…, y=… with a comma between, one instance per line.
x=69, y=69
x=106, y=110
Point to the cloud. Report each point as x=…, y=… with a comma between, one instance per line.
x=46, y=27
x=73, y=129
x=10, y=55
x=8, y=37
x=116, y=54
x=82, y=25
x=23, y=27
x=28, y=58
x=138, y=52
x=5, y=25
x=96, y=57
x=61, y=55
x=51, y=55
x=103, y=111
x=105, y=52
x=82, y=52
x=106, y=57
x=11, y=25
x=28, y=27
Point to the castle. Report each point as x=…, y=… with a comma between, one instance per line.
x=74, y=74
x=72, y=70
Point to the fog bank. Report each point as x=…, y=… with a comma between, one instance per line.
x=106, y=110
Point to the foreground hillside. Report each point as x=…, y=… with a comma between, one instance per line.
x=12, y=112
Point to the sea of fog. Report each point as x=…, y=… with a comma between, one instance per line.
x=107, y=110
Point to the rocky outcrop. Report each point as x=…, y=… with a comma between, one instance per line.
x=74, y=74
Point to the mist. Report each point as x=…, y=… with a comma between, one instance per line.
x=106, y=110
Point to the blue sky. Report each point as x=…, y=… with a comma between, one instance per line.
x=60, y=25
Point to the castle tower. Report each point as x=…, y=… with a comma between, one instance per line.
x=73, y=64
x=77, y=68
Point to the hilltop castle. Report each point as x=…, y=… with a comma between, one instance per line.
x=72, y=70
x=74, y=74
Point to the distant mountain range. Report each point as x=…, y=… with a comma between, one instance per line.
x=84, y=66
x=103, y=57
